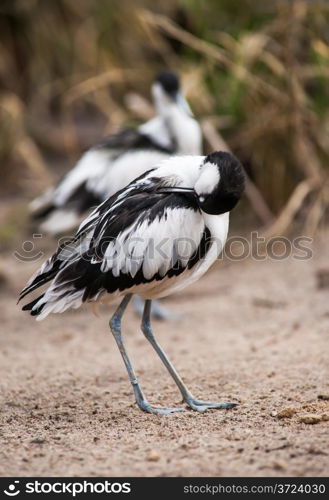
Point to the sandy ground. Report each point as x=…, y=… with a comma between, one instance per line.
x=254, y=332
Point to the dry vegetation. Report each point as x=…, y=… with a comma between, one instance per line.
x=256, y=77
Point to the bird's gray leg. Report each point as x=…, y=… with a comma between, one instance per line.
x=157, y=312
x=189, y=399
x=115, y=325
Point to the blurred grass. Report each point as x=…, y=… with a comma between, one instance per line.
x=259, y=69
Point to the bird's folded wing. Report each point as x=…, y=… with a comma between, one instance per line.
x=146, y=237
x=136, y=236
x=154, y=239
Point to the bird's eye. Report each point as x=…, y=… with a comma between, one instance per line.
x=201, y=199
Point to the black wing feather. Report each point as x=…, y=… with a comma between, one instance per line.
x=139, y=201
x=128, y=139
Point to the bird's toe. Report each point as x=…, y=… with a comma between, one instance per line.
x=157, y=410
x=202, y=406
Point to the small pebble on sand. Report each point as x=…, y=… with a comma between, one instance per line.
x=324, y=397
x=310, y=418
x=279, y=465
x=287, y=412
x=153, y=456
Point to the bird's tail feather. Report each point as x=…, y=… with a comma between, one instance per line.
x=44, y=274
x=37, y=282
x=39, y=206
x=42, y=213
x=30, y=306
x=66, y=253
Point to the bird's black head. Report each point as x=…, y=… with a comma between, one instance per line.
x=169, y=81
x=221, y=183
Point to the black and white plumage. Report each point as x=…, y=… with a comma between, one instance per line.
x=154, y=237
x=116, y=161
